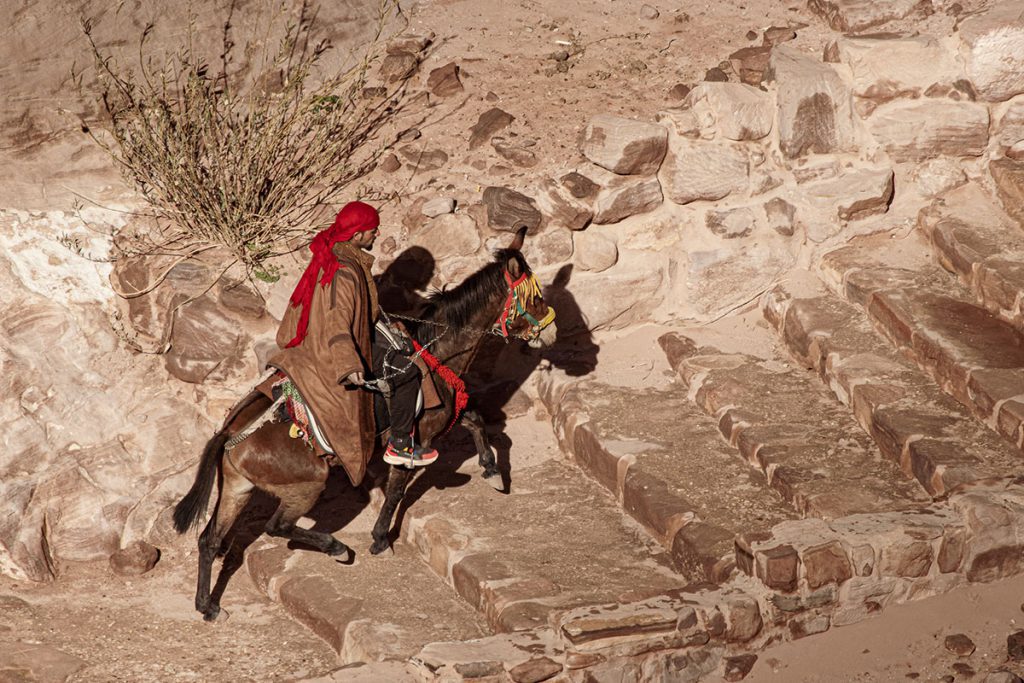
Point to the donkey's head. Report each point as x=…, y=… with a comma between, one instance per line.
x=524, y=314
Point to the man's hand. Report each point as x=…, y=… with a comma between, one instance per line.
x=355, y=379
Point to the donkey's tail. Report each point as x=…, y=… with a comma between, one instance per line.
x=190, y=509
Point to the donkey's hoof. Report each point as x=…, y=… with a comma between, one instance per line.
x=494, y=478
x=212, y=612
x=379, y=546
x=341, y=551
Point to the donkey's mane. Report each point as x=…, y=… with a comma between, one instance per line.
x=455, y=307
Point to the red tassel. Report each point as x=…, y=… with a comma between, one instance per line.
x=453, y=381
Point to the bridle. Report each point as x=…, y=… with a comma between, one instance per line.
x=521, y=292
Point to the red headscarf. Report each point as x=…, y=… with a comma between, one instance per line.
x=354, y=217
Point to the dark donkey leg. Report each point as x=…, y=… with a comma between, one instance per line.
x=398, y=479
x=235, y=491
x=472, y=421
x=296, y=500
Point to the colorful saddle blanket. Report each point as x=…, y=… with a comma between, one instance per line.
x=295, y=410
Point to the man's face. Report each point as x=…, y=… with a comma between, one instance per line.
x=365, y=239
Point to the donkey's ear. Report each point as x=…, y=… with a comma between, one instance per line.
x=513, y=267
x=517, y=241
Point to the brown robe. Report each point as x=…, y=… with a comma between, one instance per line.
x=337, y=343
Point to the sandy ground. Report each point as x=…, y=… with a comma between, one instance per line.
x=906, y=642
x=145, y=628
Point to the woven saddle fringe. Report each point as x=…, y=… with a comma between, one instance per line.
x=264, y=417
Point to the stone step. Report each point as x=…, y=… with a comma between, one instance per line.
x=786, y=424
x=380, y=608
x=931, y=436
x=975, y=356
x=668, y=466
x=973, y=238
x=557, y=541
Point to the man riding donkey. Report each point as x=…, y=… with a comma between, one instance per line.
x=334, y=350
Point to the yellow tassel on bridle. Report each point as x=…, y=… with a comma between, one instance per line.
x=526, y=291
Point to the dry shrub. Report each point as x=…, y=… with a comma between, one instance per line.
x=238, y=160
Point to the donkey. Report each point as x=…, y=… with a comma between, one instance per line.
x=502, y=298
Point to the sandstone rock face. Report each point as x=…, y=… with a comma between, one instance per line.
x=552, y=248
x=448, y=235
x=815, y=112
x=134, y=559
x=508, y=209
x=885, y=67
x=625, y=197
x=781, y=216
x=913, y=131
x=594, y=251
x=857, y=15
x=715, y=279
x=204, y=341
x=936, y=176
x=994, y=42
x=1008, y=132
x=579, y=185
x=730, y=223
x=562, y=208
x=438, y=206
x=856, y=194
x=683, y=121
x=624, y=146
x=76, y=455
x=1009, y=179
x=699, y=170
x=621, y=295
x=733, y=110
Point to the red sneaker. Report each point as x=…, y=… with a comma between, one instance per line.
x=410, y=456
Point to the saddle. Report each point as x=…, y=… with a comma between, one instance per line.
x=304, y=425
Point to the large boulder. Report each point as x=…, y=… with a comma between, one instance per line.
x=732, y=110
x=624, y=146
x=711, y=279
x=701, y=170
x=815, y=110
x=856, y=194
x=884, y=67
x=552, y=248
x=448, y=235
x=625, y=197
x=623, y=294
x=994, y=45
x=924, y=129
x=594, y=251
x=935, y=177
x=561, y=207
x=508, y=209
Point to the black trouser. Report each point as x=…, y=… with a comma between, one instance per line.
x=404, y=378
